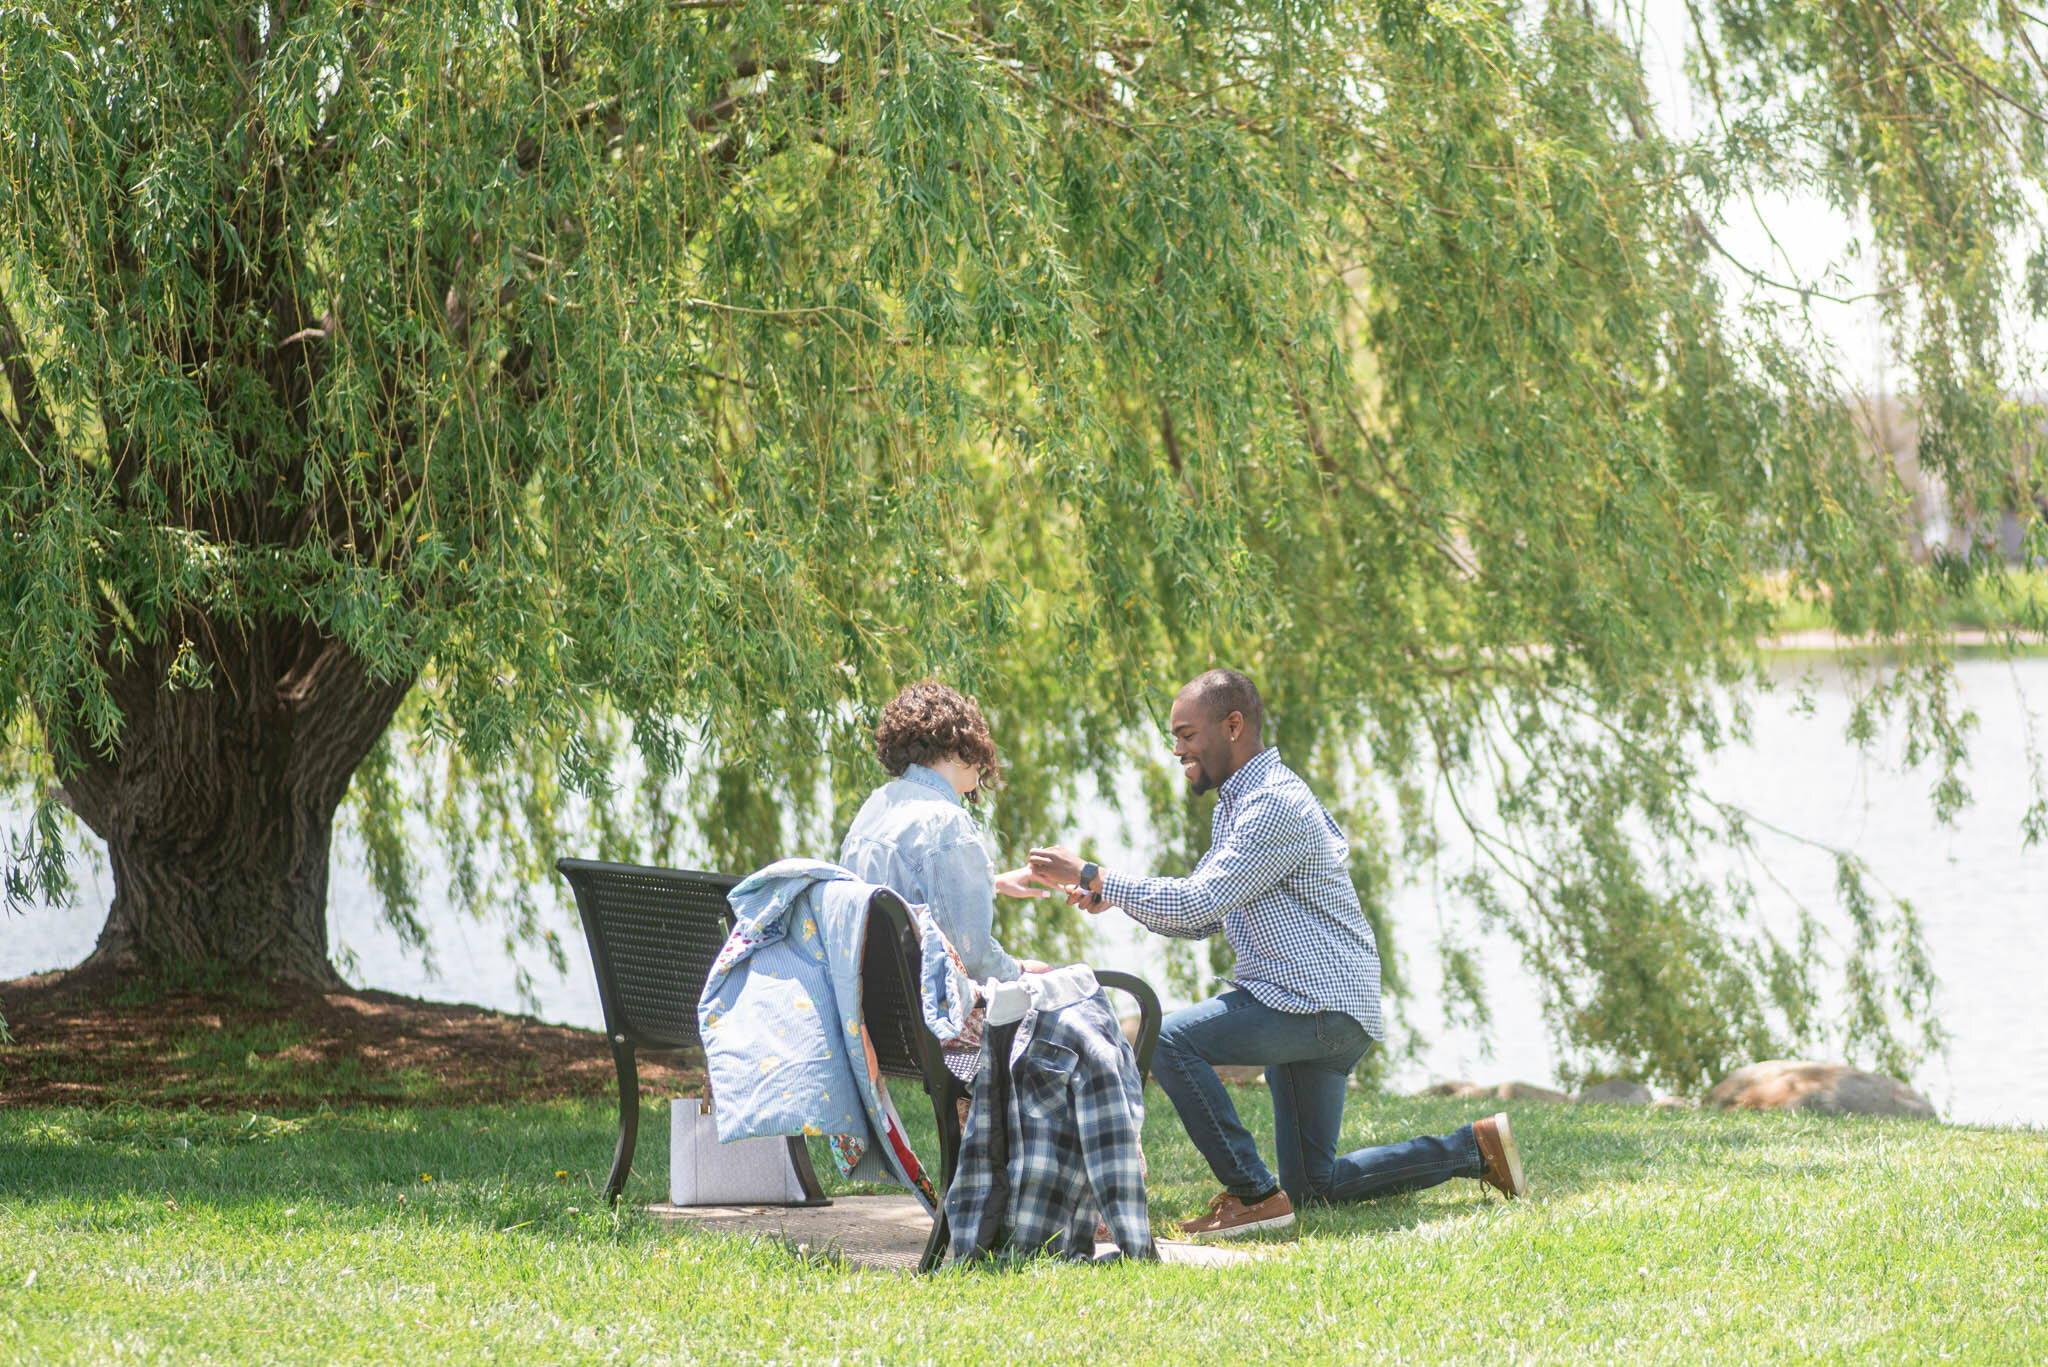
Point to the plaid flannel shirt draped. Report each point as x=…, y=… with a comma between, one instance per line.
x=1072, y=1112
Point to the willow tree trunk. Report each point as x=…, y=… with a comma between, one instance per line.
x=217, y=804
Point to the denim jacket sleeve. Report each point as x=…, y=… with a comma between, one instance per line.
x=960, y=880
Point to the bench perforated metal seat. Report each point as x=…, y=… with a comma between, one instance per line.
x=654, y=934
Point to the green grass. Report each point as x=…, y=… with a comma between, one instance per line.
x=140, y=1234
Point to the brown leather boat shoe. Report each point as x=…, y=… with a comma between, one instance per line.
x=1228, y=1217
x=1503, y=1160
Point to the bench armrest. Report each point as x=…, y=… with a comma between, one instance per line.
x=1148, y=1013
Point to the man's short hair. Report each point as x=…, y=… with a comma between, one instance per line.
x=1223, y=691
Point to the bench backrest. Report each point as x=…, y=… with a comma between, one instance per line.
x=654, y=934
x=890, y=966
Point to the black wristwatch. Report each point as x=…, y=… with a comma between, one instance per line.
x=1089, y=871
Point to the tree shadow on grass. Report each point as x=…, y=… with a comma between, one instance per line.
x=92, y=1039
x=491, y=1166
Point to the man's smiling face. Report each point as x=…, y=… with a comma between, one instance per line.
x=1202, y=743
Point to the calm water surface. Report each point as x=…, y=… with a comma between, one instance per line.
x=1978, y=892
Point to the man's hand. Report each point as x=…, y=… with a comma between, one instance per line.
x=1025, y=883
x=1057, y=864
x=1087, y=899
x=1034, y=965
x=1062, y=864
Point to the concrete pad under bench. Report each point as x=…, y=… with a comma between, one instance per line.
x=886, y=1232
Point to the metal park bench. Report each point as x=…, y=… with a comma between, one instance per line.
x=653, y=935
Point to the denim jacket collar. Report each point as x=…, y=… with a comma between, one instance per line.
x=933, y=779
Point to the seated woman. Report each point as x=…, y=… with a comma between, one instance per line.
x=916, y=835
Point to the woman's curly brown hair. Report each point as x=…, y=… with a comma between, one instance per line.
x=929, y=721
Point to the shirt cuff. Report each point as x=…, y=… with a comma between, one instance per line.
x=1117, y=890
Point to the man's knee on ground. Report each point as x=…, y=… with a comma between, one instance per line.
x=1305, y=1193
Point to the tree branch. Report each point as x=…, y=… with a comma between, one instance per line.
x=1171, y=442
x=2021, y=29
x=1948, y=57
x=32, y=424
x=1302, y=410
x=1699, y=225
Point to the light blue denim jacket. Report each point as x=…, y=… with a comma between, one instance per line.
x=780, y=1013
x=914, y=834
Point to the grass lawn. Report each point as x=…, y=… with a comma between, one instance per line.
x=476, y=1234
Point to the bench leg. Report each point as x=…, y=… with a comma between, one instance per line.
x=946, y=1110
x=806, y=1175
x=629, y=1120
x=935, y=1247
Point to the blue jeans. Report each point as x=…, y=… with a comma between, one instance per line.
x=1308, y=1059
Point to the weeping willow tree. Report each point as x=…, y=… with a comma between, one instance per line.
x=626, y=397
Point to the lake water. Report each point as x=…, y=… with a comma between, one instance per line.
x=1978, y=892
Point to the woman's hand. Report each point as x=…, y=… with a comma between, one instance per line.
x=1024, y=883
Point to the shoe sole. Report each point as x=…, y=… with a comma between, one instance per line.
x=1504, y=1131
x=1238, y=1231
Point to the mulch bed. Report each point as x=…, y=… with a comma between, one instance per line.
x=86, y=1041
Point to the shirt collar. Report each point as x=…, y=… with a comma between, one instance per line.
x=1250, y=774
x=933, y=779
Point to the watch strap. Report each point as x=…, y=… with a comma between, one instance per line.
x=1090, y=871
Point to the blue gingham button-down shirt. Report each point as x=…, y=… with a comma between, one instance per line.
x=1276, y=883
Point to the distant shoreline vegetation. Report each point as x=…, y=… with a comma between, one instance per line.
x=1968, y=643
x=2010, y=607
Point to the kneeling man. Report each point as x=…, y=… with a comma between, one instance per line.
x=1305, y=1000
